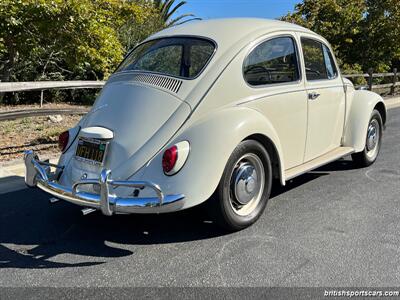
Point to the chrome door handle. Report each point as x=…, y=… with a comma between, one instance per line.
x=313, y=96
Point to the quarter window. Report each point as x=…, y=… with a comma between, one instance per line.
x=330, y=63
x=318, y=60
x=274, y=61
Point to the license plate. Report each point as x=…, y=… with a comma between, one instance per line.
x=91, y=151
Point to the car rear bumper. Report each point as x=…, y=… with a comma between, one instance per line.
x=38, y=174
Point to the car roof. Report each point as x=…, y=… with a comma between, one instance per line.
x=228, y=31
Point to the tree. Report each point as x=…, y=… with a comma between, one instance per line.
x=138, y=26
x=61, y=39
x=382, y=32
x=45, y=37
x=362, y=32
x=67, y=39
x=167, y=10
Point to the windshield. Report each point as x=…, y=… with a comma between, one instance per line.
x=180, y=57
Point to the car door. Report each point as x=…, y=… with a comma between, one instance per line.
x=326, y=98
x=272, y=72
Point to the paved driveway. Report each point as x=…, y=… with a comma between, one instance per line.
x=338, y=226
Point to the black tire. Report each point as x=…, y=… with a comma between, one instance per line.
x=364, y=159
x=222, y=203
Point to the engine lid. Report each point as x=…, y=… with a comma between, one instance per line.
x=139, y=118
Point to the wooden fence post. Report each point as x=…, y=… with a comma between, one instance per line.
x=393, y=89
x=370, y=73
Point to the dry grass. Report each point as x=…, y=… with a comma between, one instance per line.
x=4, y=108
x=36, y=133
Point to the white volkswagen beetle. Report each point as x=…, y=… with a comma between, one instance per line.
x=218, y=107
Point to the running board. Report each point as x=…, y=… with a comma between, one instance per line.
x=318, y=162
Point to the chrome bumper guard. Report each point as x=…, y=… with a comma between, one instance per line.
x=38, y=173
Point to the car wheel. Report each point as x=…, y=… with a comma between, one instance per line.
x=372, y=143
x=244, y=188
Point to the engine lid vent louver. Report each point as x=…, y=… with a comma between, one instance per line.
x=164, y=82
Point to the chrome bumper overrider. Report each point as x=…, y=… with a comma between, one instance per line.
x=38, y=174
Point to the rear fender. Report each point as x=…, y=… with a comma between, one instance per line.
x=212, y=140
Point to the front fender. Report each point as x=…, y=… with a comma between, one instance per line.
x=212, y=140
x=360, y=110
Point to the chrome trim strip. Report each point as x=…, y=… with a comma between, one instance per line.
x=268, y=95
x=108, y=203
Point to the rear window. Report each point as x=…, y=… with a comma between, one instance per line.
x=179, y=57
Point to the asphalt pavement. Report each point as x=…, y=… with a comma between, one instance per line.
x=337, y=226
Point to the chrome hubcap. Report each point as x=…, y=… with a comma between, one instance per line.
x=247, y=184
x=373, y=136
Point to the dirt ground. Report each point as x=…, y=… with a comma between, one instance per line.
x=37, y=133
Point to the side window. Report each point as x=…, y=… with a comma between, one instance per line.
x=274, y=61
x=330, y=63
x=318, y=60
x=314, y=59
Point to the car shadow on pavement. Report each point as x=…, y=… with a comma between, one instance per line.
x=36, y=234
x=343, y=164
x=278, y=189
x=339, y=165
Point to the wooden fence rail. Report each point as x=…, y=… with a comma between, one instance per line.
x=370, y=79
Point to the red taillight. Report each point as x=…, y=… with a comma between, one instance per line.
x=63, y=140
x=169, y=159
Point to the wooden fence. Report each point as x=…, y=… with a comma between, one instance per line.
x=370, y=80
